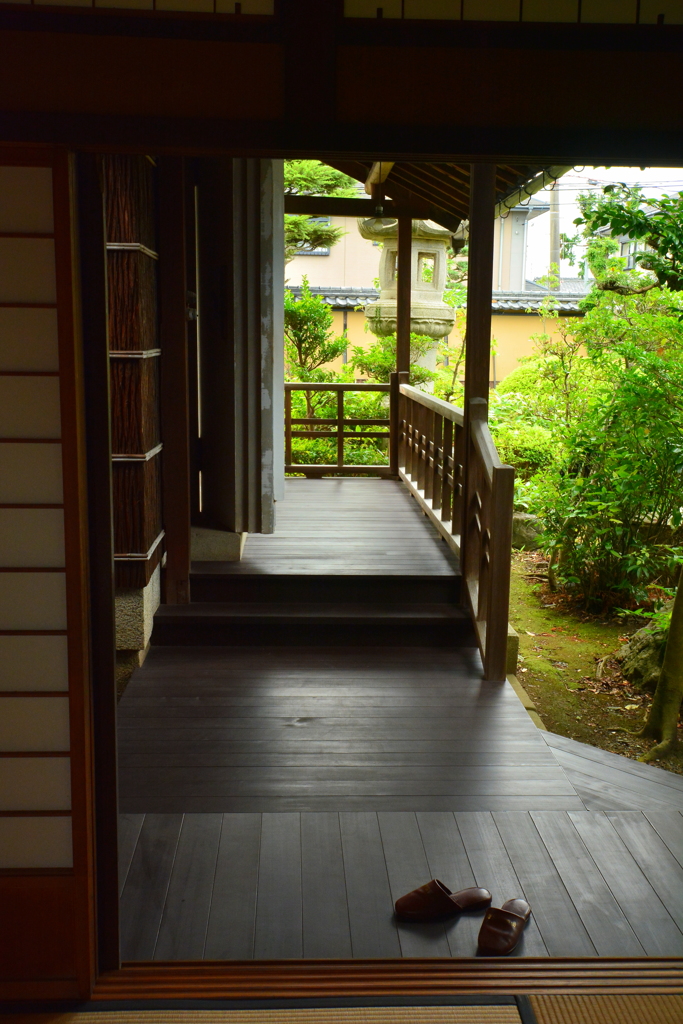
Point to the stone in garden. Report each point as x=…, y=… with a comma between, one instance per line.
x=526, y=529
x=641, y=658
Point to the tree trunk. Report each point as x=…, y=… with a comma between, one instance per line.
x=662, y=721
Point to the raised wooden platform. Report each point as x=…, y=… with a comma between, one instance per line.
x=329, y=729
x=356, y=527
x=322, y=885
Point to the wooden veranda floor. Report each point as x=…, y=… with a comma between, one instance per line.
x=276, y=800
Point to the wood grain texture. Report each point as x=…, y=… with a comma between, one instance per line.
x=242, y=729
x=323, y=885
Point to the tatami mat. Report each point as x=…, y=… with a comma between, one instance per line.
x=608, y=1009
x=347, y=1015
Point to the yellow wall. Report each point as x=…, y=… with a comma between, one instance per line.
x=512, y=334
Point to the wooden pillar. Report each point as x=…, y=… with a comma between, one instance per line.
x=480, y=281
x=174, y=394
x=93, y=310
x=240, y=213
x=403, y=286
x=478, y=330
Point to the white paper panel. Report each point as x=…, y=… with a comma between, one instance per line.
x=550, y=10
x=65, y=3
x=32, y=537
x=34, y=723
x=201, y=6
x=27, y=270
x=26, y=199
x=445, y=10
x=31, y=474
x=29, y=407
x=491, y=10
x=33, y=663
x=671, y=9
x=248, y=7
x=28, y=339
x=32, y=600
x=35, y=784
x=368, y=8
x=35, y=843
x=140, y=5
x=623, y=11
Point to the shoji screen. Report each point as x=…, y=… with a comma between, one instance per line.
x=44, y=859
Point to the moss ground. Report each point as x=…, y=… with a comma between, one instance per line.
x=566, y=665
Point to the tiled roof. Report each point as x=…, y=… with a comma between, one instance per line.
x=343, y=297
x=346, y=297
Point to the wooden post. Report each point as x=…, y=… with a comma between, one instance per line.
x=478, y=331
x=403, y=285
x=175, y=419
x=288, y=427
x=479, y=282
x=394, y=424
x=94, y=327
x=340, y=429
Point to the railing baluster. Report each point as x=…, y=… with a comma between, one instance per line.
x=437, y=471
x=340, y=429
x=288, y=427
x=447, y=479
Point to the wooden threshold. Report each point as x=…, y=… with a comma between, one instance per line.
x=298, y=979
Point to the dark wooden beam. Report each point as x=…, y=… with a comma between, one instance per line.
x=423, y=209
x=174, y=395
x=333, y=206
x=93, y=312
x=403, y=286
x=479, y=281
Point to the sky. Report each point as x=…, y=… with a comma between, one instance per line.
x=655, y=180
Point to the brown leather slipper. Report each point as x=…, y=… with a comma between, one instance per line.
x=436, y=900
x=502, y=927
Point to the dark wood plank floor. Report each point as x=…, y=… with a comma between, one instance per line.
x=350, y=527
x=315, y=885
x=609, y=782
x=216, y=730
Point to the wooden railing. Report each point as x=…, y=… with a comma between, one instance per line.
x=339, y=427
x=468, y=495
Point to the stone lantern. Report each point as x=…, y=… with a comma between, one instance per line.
x=429, y=314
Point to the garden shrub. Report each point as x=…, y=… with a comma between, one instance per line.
x=612, y=509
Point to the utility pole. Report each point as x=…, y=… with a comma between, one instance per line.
x=555, y=231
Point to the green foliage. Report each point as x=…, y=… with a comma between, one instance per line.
x=625, y=210
x=526, y=446
x=378, y=361
x=612, y=508
x=312, y=178
x=309, y=340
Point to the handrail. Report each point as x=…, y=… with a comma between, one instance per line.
x=487, y=547
x=335, y=427
x=437, y=405
x=430, y=458
x=467, y=492
x=334, y=386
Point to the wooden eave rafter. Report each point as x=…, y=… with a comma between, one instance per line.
x=442, y=190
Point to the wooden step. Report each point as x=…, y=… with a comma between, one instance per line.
x=317, y=624
x=210, y=586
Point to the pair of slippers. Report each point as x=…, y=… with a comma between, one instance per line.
x=501, y=928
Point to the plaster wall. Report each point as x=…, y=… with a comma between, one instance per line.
x=353, y=261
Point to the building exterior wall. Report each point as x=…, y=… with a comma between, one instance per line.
x=352, y=261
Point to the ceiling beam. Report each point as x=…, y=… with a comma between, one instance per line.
x=379, y=172
x=402, y=195
x=336, y=206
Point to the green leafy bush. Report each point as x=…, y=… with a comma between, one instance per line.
x=612, y=509
x=526, y=446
